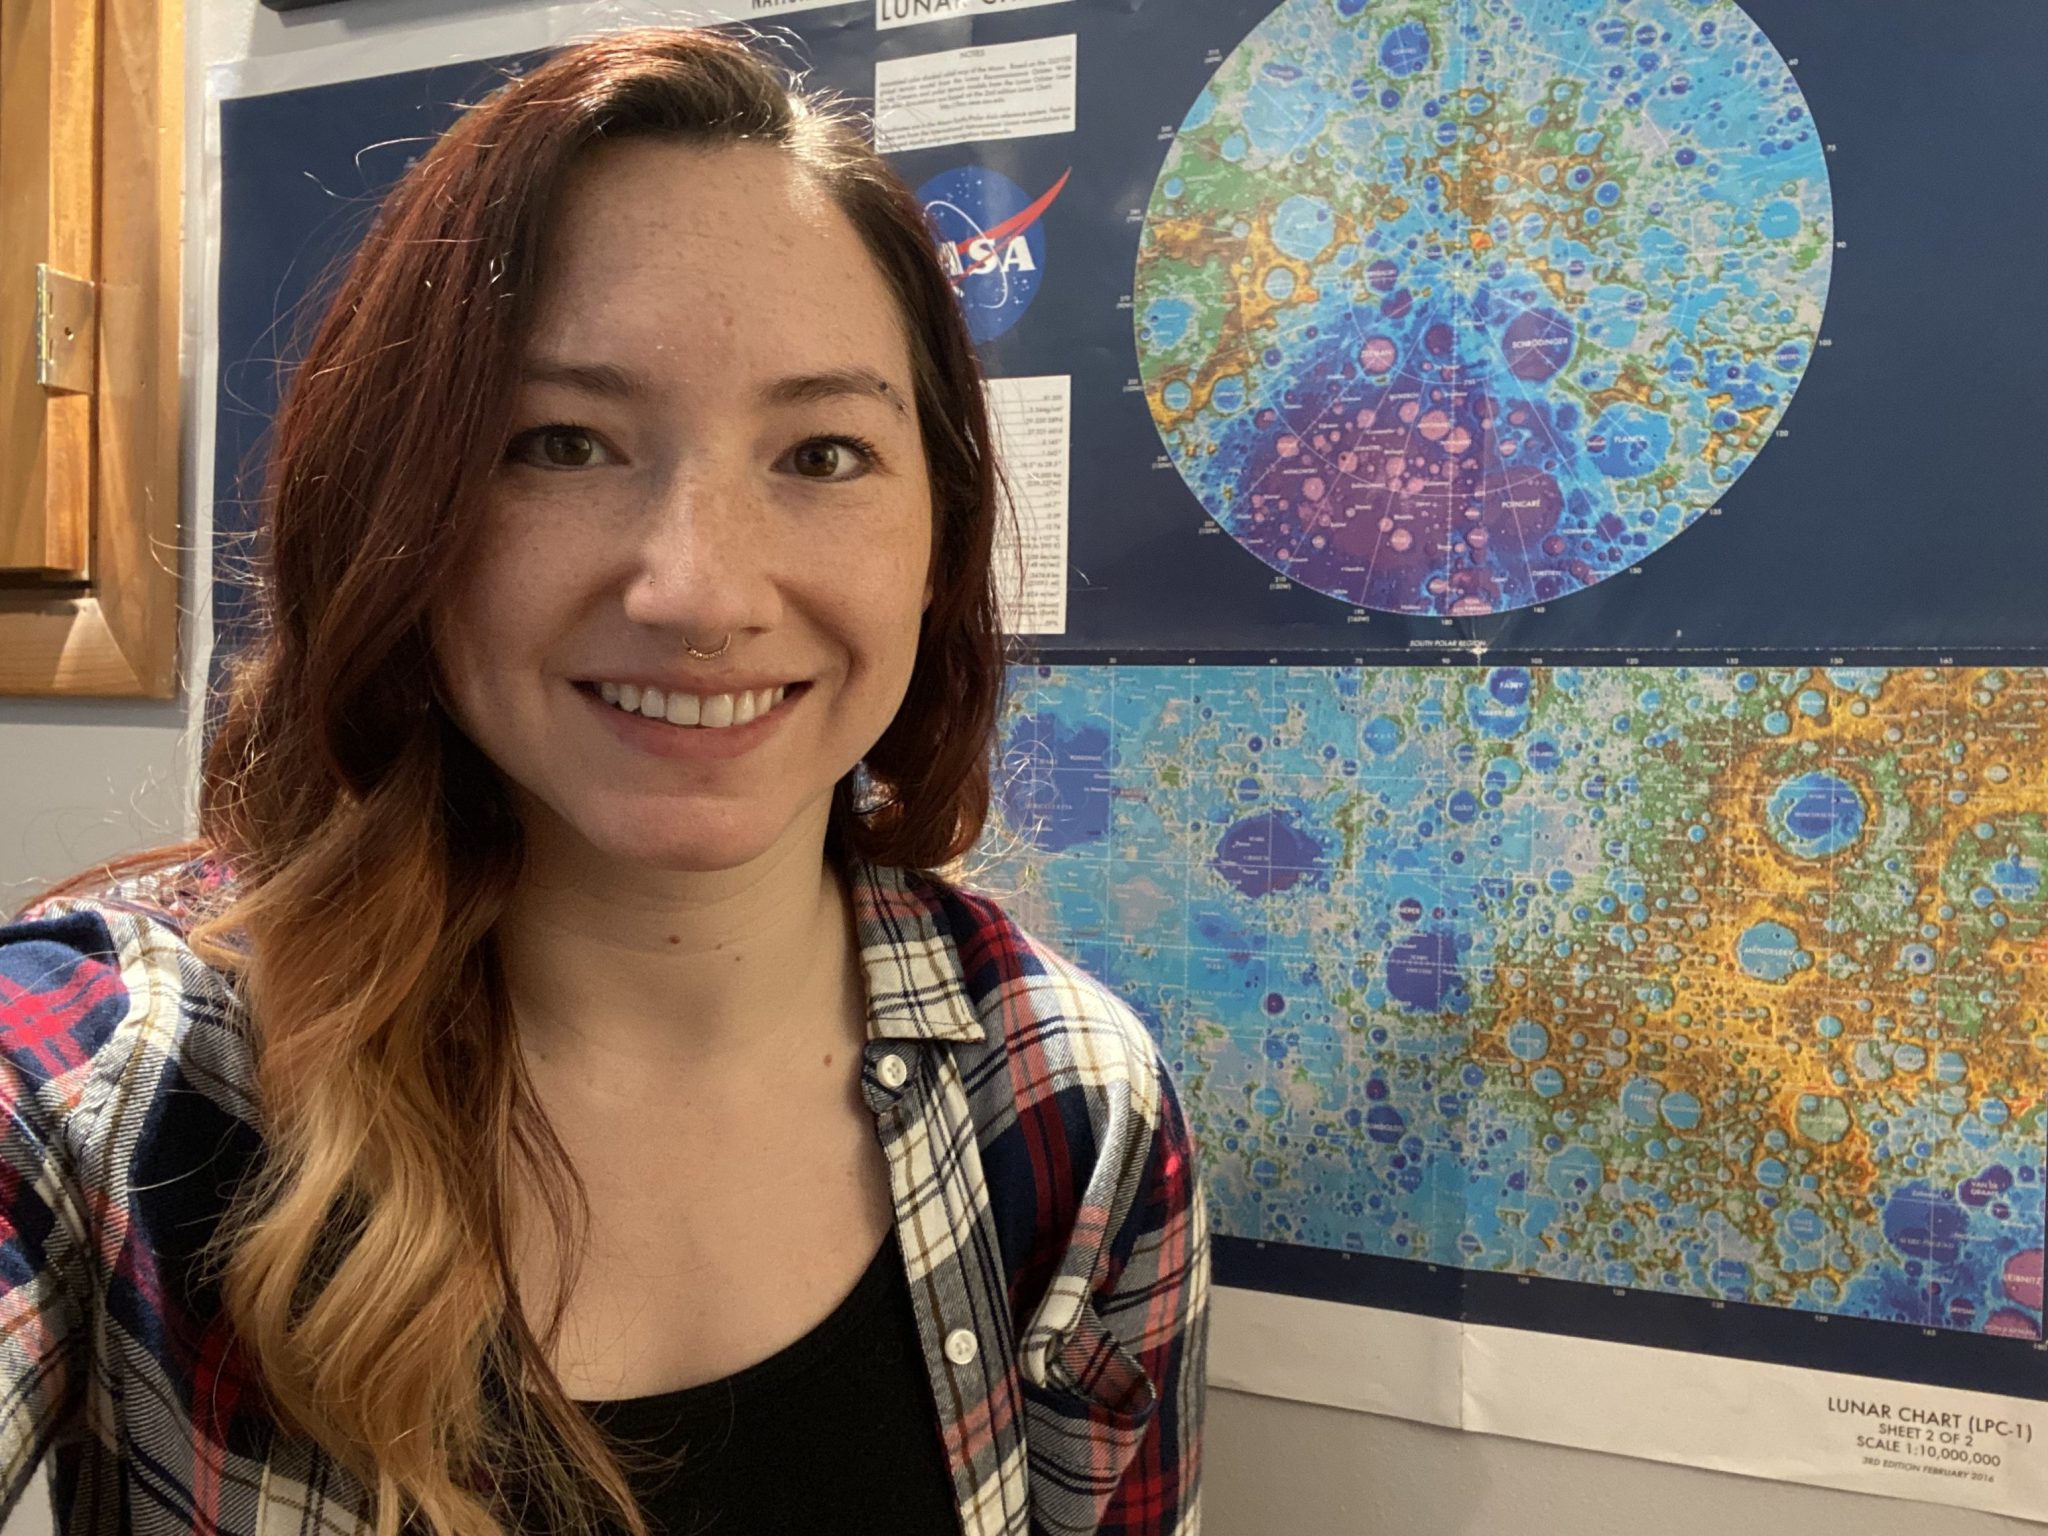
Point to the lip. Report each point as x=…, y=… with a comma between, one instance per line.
x=692, y=744
x=703, y=687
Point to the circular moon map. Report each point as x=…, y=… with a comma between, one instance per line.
x=1458, y=306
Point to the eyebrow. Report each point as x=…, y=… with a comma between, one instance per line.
x=798, y=389
x=591, y=378
x=804, y=388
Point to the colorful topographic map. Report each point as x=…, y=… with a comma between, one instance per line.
x=1460, y=306
x=1718, y=982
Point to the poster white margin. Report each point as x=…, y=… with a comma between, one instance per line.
x=1751, y=1418
x=1781, y=1422
x=1363, y=1358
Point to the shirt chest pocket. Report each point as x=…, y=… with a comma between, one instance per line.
x=1088, y=1404
x=1084, y=1360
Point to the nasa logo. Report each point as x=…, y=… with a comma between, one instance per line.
x=991, y=239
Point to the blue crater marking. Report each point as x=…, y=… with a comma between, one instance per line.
x=1768, y=951
x=1302, y=227
x=1628, y=441
x=1924, y=1224
x=2016, y=879
x=1510, y=685
x=1681, y=1111
x=1058, y=790
x=1816, y=814
x=1268, y=853
x=1779, y=220
x=1423, y=973
x=1641, y=1100
x=1405, y=50
x=1168, y=320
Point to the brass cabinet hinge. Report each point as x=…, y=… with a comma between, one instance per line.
x=65, y=308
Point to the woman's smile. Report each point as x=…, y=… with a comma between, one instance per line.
x=692, y=726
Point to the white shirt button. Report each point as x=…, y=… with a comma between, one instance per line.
x=962, y=1346
x=892, y=1071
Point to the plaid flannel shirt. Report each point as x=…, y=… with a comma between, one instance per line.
x=1045, y=1197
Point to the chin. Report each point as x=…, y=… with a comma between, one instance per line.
x=681, y=839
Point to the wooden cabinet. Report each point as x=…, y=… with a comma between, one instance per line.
x=91, y=150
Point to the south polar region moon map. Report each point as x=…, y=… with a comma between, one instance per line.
x=1455, y=307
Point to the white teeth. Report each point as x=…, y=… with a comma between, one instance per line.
x=714, y=711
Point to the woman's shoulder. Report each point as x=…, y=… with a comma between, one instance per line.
x=102, y=999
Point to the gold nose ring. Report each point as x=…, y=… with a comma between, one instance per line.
x=723, y=646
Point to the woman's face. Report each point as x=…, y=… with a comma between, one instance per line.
x=715, y=446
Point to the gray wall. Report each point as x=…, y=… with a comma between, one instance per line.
x=86, y=780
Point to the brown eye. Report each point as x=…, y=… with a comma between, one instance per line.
x=567, y=448
x=833, y=458
x=821, y=460
x=556, y=447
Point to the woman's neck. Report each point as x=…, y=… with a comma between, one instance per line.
x=622, y=977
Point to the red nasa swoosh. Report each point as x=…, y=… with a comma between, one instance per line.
x=1017, y=223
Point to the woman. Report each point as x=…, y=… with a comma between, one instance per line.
x=552, y=1092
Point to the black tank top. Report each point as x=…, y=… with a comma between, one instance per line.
x=836, y=1433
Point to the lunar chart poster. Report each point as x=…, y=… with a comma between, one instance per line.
x=1527, y=522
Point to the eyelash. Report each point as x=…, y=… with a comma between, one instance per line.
x=532, y=436
x=871, y=456
x=869, y=453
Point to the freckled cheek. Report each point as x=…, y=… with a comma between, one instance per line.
x=459, y=653
x=900, y=592
x=876, y=615
x=495, y=624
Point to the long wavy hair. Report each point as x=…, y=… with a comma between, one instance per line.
x=366, y=1269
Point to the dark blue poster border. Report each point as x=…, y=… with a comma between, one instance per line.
x=1735, y=1330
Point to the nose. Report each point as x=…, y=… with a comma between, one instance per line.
x=703, y=567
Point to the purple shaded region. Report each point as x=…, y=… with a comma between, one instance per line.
x=1056, y=786
x=1385, y=1124
x=1537, y=344
x=1992, y=1184
x=2021, y=1278
x=1268, y=853
x=1422, y=971
x=1922, y=1224
x=1416, y=490
x=2008, y=1324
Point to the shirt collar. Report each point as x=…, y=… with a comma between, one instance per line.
x=915, y=990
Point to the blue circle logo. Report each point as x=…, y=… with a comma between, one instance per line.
x=991, y=237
